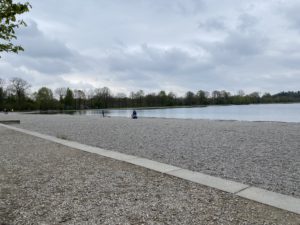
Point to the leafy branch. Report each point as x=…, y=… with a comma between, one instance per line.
x=9, y=22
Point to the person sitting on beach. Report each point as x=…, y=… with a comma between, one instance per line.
x=134, y=115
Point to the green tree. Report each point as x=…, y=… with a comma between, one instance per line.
x=44, y=98
x=225, y=97
x=266, y=98
x=9, y=22
x=254, y=97
x=190, y=98
x=151, y=100
x=171, y=99
x=239, y=98
x=121, y=100
x=201, y=97
x=163, y=98
x=216, y=97
x=69, y=99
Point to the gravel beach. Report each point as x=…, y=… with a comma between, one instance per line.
x=47, y=183
x=262, y=154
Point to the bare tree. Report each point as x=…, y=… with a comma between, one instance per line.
x=61, y=92
x=241, y=93
x=225, y=94
x=1, y=83
x=18, y=87
x=102, y=96
x=216, y=94
x=254, y=94
x=90, y=95
x=79, y=97
x=79, y=94
x=172, y=95
x=121, y=95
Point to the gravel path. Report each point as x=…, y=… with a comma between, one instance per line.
x=262, y=154
x=47, y=183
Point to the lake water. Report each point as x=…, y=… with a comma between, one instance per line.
x=262, y=112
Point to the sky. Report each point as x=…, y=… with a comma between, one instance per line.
x=171, y=45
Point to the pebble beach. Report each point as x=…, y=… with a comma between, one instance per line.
x=47, y=183
x=261, y=154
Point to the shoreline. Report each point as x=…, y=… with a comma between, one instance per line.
x=163, y=118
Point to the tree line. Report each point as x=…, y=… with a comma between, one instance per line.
x=15, y=95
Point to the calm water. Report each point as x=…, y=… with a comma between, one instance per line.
x=264, y=112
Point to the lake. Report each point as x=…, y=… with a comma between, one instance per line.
x=257, y=112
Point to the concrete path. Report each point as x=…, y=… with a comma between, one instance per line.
x=48, y=183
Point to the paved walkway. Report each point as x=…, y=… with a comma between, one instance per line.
x=47, y=183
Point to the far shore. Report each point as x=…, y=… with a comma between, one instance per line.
x=61, y=111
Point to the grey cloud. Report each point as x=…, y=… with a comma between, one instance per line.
x=38, y=45
x=181, y=6
x=193, y=6
x=236, y=48
x=247, y=22
x=157, y=68
x=46, y=55
x=213, y=24
x=291, y=13
x=48, y=66
x=172, y=61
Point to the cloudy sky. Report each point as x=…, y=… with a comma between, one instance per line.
x=174, y=45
